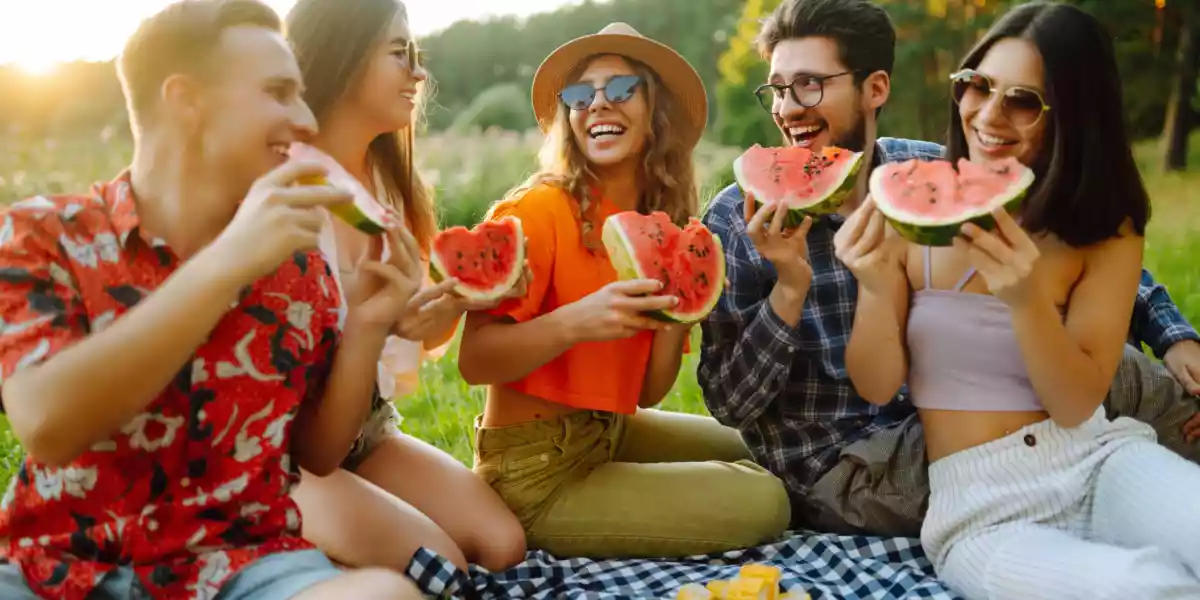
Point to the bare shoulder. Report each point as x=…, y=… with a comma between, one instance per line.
x=1128, y=245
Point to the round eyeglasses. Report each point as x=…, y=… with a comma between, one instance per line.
x=806, y=90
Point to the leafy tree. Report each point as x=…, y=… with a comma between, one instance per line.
x=741, y=120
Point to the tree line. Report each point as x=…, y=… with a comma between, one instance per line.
x=482, y=69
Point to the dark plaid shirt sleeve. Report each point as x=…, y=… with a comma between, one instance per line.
x=1156, y=319
x=748, y=349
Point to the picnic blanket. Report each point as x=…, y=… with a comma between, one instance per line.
x=825, y=566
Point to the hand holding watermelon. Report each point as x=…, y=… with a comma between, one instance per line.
x=614, y=311
x=1005, y=257
x=381, y=290
x=786, y=249
x=435, y=308
x=863, y=245
x=276, y=220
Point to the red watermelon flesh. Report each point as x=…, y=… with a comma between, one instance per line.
x=804, y=181
x=689, y=261
x=487, y=260
x=928, y=201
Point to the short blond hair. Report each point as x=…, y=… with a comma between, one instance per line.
x=180, y=39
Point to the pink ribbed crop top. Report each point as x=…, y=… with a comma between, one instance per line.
x=963, y=354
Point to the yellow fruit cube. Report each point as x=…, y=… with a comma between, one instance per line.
x=750, y=588
x=768, y=574
x=761, y=571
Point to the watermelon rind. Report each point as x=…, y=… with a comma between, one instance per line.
x=621, y=255
x=925, y=231
x=351, y=213
x=357, y=218
x=828, y=204
x=438, y=271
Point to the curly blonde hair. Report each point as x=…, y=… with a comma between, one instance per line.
x=667, y=179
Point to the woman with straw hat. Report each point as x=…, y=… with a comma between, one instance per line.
x=568, y=437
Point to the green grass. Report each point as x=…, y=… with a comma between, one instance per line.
x=443, y=409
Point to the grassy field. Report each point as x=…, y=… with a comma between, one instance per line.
x=469, y=172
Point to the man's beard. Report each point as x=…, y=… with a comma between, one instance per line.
x=855, y=139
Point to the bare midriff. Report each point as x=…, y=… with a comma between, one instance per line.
x=506, y=406
x=950, y=431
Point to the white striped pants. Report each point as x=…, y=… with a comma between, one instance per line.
x=1095, y=512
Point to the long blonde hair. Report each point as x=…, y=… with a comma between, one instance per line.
x=332, y=40
x=666, y=180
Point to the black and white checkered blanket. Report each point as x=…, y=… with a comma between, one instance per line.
x=826, y=566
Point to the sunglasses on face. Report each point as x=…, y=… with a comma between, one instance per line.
x=414, y=56
x=579, y=96
x=1022, y=106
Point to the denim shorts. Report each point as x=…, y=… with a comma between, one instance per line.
x=274, y=577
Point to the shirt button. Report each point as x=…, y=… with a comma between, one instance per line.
x=1030, y=440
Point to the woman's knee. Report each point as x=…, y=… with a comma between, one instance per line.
x=361, y=525
x=498, y=546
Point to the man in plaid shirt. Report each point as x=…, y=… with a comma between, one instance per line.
x=772, y=360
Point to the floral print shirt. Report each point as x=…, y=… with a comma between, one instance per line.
x=196, y=486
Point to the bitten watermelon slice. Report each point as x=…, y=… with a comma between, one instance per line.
x=806, y=182
x=364, y=213
x=690, y=262
x=487, y=260
x=928, y=201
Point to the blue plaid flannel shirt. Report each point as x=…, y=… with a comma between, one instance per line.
x=786, y=389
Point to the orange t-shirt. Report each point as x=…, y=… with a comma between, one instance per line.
x=604, y=375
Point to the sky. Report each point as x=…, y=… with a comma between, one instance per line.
x=36, y=34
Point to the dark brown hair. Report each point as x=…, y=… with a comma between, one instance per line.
x=333, y=40
x=865, y=36
x=181, y=38
x=1088, y=183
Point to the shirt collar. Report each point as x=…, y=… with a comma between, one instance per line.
x=118, y=196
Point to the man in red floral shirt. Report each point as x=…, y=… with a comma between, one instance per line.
x=169, y=349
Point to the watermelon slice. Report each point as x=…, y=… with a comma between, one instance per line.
x=928, y=201
x=487, y=260
x=364, y=213
x=689, y=261
x=806, y=182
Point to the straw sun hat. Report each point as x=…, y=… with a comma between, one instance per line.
x=673, y=70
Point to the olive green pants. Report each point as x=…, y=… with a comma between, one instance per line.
x=654, y=484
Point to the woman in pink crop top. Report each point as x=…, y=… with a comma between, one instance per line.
x=394, y=493
x=1009, y=339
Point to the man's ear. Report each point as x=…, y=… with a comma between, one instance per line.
x=876, y=90
x=181, y=100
